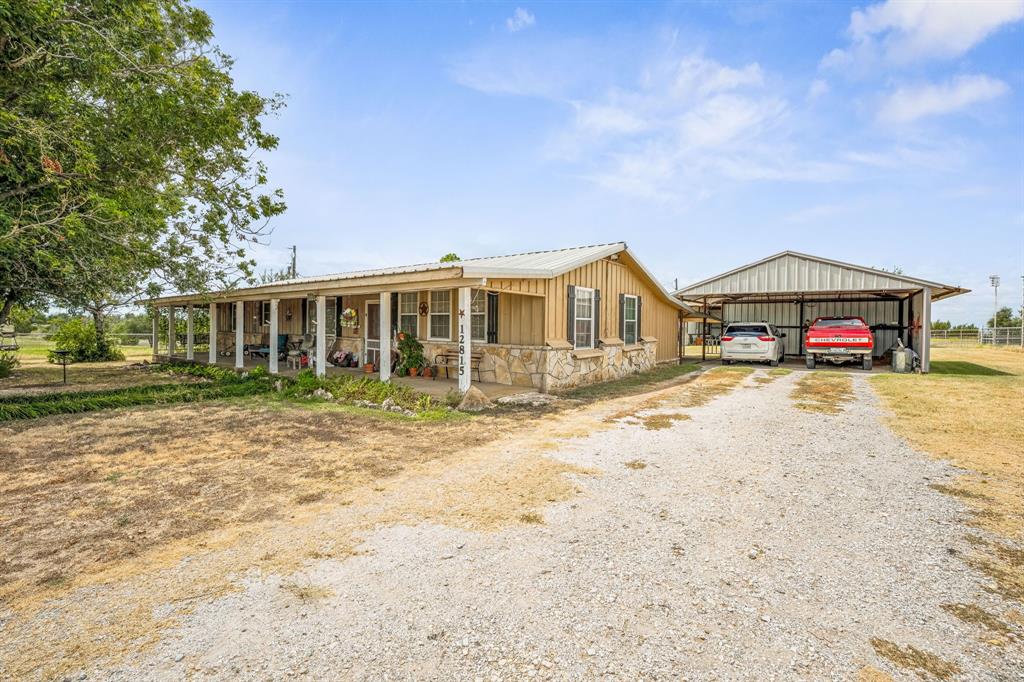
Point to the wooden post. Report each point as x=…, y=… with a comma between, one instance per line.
x=273, y=335
x=465, y=339
x=213, y=334
x=156, y=331
x=239, y=334
x=705, y=327
x=170, y=331
x=385, y=336
x=190, y=333
x=321, y=336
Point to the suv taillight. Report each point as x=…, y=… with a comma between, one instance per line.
x=766, y=338
x=726, y=338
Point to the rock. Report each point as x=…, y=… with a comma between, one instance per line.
x=322, y=394
x=533, y=399
x=474, y=400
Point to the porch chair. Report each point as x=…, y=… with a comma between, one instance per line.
x=295, y=354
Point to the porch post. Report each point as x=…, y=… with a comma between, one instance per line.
x=239, y=338
x=385, y=336
x=170, y=331
x=321, y=336
x=156, y=331
x=926, y=329
x=190, y=332
x=213, y=334
x=273, y=335
x=465, y=339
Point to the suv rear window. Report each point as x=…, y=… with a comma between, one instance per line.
x=838, y=323
x=746, y=330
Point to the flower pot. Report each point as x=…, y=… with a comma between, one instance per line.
x=413, y=371
x=368, y=368
x=427, y=372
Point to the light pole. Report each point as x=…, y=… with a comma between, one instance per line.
x=994, y=280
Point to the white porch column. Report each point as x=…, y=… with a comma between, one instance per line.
x=190, y=329
x=321, y=336
x=213, y=334
x=385, y=336
x=239, y=338
x=156, y=331
x=465, y=338
x=170, y=330
x=273, y=335
x=926, y=329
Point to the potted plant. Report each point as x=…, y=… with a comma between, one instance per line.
x=427, y=371
x=411, y=352
x=368, y=368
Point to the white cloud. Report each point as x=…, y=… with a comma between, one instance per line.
x=908, y=104
x=520, y=19
x=901, y=32
x=819, y=87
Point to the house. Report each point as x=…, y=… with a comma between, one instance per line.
x=548, y=320
x=791, y=289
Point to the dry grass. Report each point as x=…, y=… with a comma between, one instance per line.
x=663, y=420
x=306, y=591
x=972, y=415
x=636, y=464
x=970, y=613
x=702, y=390
x=871, y=674
x=824, y=392
x=912, y=658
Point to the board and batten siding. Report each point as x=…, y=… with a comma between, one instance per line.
x=659, y=319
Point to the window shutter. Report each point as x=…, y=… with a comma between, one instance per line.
x=339, y=305
x=394, y=313
x=492, y=317
x=571, y=316
x=305, y=316
x=596, y=340
x=639, y=313
x=622, y=317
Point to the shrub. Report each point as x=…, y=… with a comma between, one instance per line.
x=411, y=352
x=211, y=372
x=8, y=361
x=80, y=337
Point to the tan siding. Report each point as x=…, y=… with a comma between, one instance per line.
x=520, y=319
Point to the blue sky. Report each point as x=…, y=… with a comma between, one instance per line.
x=705, y=135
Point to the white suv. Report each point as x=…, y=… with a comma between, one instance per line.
x=753, y=342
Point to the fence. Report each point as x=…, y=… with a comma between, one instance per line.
x=999, y=336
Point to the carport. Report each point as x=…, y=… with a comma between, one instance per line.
x=790, y=289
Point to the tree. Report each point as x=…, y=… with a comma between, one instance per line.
x=271, y=276
x=450, y=258
x=25, y=319
x=127, y=157
x=939, y=325
x=1004, y=318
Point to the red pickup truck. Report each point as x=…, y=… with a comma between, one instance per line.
x=838, y=340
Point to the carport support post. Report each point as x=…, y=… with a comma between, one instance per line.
x=385, y=336
x=156, y=331
x=239, y=337
x=273, y=335
x=170, y=331
x=926, y=329
x=704, y=333
x=190, y=333
x=321, y=336
x=465, y=339
x=213, y=334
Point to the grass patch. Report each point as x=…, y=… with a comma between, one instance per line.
x=531, y=517
x=823, y=392
x=779, y=372
x=969, y=613
x=912, y=658
x=307, y=592
x=656, y=422
x=636, y=464
x=965, y=369
x=630, y=384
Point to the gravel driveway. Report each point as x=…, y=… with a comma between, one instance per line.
x=752, y=541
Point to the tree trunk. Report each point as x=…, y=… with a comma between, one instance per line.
x=5, y=310
x=99, y=322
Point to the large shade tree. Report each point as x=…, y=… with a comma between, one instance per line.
x=128, y=159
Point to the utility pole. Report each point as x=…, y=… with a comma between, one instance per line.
x=994, y=280
x=292, y=274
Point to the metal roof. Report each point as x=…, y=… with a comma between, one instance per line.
x=531, y=265
x=791, y=272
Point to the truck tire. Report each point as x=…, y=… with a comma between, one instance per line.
x=810, y=362
x=866, y=363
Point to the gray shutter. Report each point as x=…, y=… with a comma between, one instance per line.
x=639, y=313
x=622, y=317
x=394, y=314
x=596, y=341
x=492, y=317
x=571, y=316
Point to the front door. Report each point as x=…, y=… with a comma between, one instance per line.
x=372, y=344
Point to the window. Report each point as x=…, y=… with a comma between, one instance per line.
x=408, y=303
x=584, y=318
x=231, y=315
x=478, y=316
x=265, y=314
x=629, y=330
x=441, y=315
x=746, y=330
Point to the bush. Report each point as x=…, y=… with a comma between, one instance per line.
x=8, y=361
x=411, y=352
x=80, y=337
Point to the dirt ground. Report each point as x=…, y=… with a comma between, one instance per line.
x=119, y=527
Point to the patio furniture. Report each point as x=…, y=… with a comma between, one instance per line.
x=263, y=350
x=450, y=359
x=295, y=354
x=8, y=338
